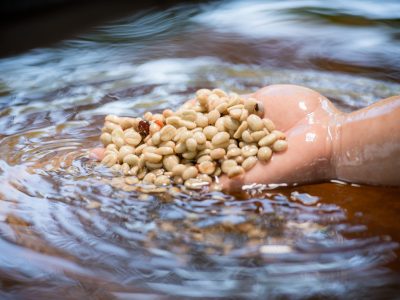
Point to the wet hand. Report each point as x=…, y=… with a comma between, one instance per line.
x=308, y=120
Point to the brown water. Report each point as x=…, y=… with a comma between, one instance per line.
x=69, y=230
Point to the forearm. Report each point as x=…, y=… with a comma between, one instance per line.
x=367, y=149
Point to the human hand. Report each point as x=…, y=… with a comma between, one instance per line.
x=308, y=119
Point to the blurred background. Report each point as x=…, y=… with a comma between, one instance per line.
x=69, y=229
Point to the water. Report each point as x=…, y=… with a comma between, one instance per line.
x=69, y=230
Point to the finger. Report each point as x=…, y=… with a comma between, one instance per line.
x=97, y=153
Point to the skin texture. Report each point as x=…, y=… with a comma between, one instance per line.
x=324, y=143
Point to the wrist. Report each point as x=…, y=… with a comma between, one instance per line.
x=335, y=131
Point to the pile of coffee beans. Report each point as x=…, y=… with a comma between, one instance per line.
x=217, y=133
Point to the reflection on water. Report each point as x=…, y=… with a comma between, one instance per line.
x=68, y=228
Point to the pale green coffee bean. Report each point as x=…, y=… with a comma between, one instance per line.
x=113, y=118
x=117, y=137
x=141, y=173
x=149, y=178
x=217, y=171
x=220, y=124
x=154, y=128
x=227, y=165
x=239, y=159
x=106, y=138
x=178, y=133
x=237, y=106
x=204, y=158
x=194, y=184
x=249, y=163
x=109, y=127
x=219, y=92
x=202, y=96
x=259, y=109
x=246, y=137
x=201, y=147
x=233, y=101
x=279, y=134
x=170, y=161
x=131, y=180
x=249, y=150
x=204, y=177
x=201, y=120
x=113, y=151
x=220, y=138
x=207, y=167
x=236, y=113
x=141, y=162
x=233, y=152
x=191, y=144
x=170, y=144
x=238, y=133
x=185, y=135
x=152, y=157
x=162, y=180
x=132, y=138
x=178, y=180
x=167, y=133
x=165, y=150
x=235, y=171
x=258, y=135
x=280, y=145
x=268, y=124
x=124, y=151
x=131, y=159
x=148, y=115
x=190, y=172
x=188, y=115
x=139, y=149
x=250, y=105
x=232, y=146
x=222, y=107
x=173, y=121
x=116, y=168
x=210, y=131
x=110, y=159
x=200, y=137
x=217, y=153
x=264, y=153
x=199, y=108
x=268, y=140
x=151, y=149
x=158, y=117
x=213, y=116
x=134, y=170
x=178, y=169
x=244, y=116
x=112, y=147
x=213, y=101
x=188, y=124
x=158, y=172
x=206, y=151
x=180, y=148
x=189, y=155
x=156, y=138
x=153, y=166
x=125, y=169
x=230, y=123
x=255, y=123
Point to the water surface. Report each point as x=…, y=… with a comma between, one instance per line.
x=69, y=229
